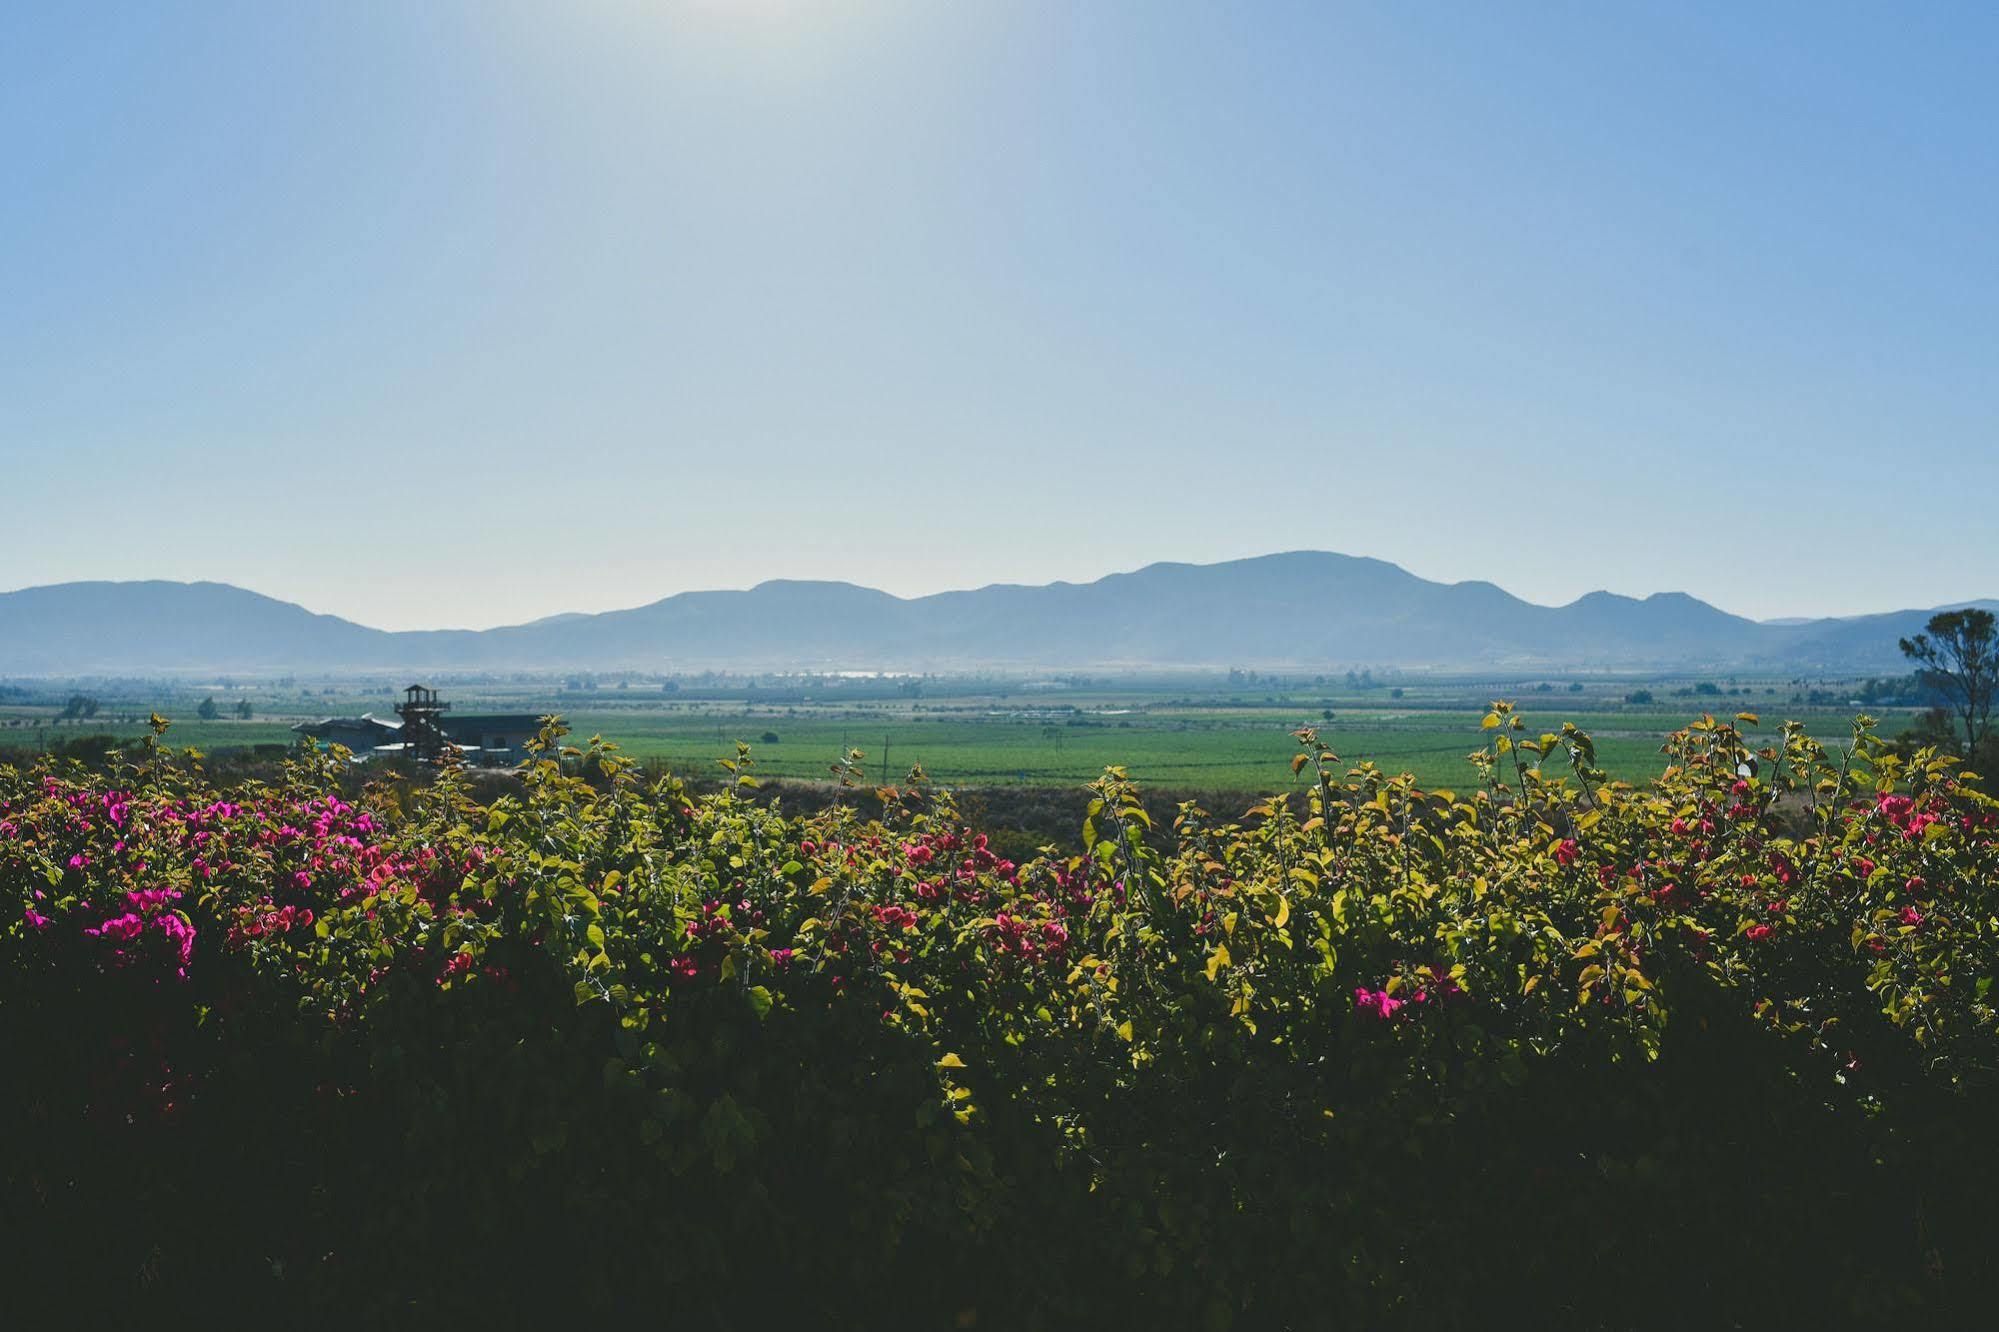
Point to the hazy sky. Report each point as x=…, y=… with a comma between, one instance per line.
x=461, y=314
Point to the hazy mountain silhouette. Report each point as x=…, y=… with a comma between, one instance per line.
x=1301, y=609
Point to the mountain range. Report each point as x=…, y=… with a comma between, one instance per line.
x=1310, y=609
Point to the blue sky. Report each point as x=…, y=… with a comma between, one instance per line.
x=567, y=307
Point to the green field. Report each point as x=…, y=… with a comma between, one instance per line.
x=1175, y=732
x=187, y=731
x=1236, y=755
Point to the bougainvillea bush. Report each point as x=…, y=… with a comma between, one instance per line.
x=1719, y=1050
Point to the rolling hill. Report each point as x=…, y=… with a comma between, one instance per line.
x=1299, y=609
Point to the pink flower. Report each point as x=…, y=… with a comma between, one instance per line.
x=1379, y=1002
x=1758, y=933
x=181, y=935
x=121, y=928
x=1565, y=851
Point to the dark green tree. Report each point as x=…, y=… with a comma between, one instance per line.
x=1958, y=657
x=208, y=711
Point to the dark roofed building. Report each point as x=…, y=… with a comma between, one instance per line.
x=491, y=739
x=427, y=726
x=361, y=735
x=484, y=739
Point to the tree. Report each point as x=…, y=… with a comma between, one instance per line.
x=1958, y=657
x=243, y=712
x=208, y=711
x=79, y=707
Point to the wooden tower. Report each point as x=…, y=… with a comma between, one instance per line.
x=422, y=735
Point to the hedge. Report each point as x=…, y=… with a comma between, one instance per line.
x=1719, y=1049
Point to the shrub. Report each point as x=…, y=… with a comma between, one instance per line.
x=1552, y=1047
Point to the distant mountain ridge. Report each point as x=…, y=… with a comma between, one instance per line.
x=1297, y=609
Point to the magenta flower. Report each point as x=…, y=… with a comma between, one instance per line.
x=120, y=928
x=1379, y=1002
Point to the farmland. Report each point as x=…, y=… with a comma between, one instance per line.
x=1197, y=732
